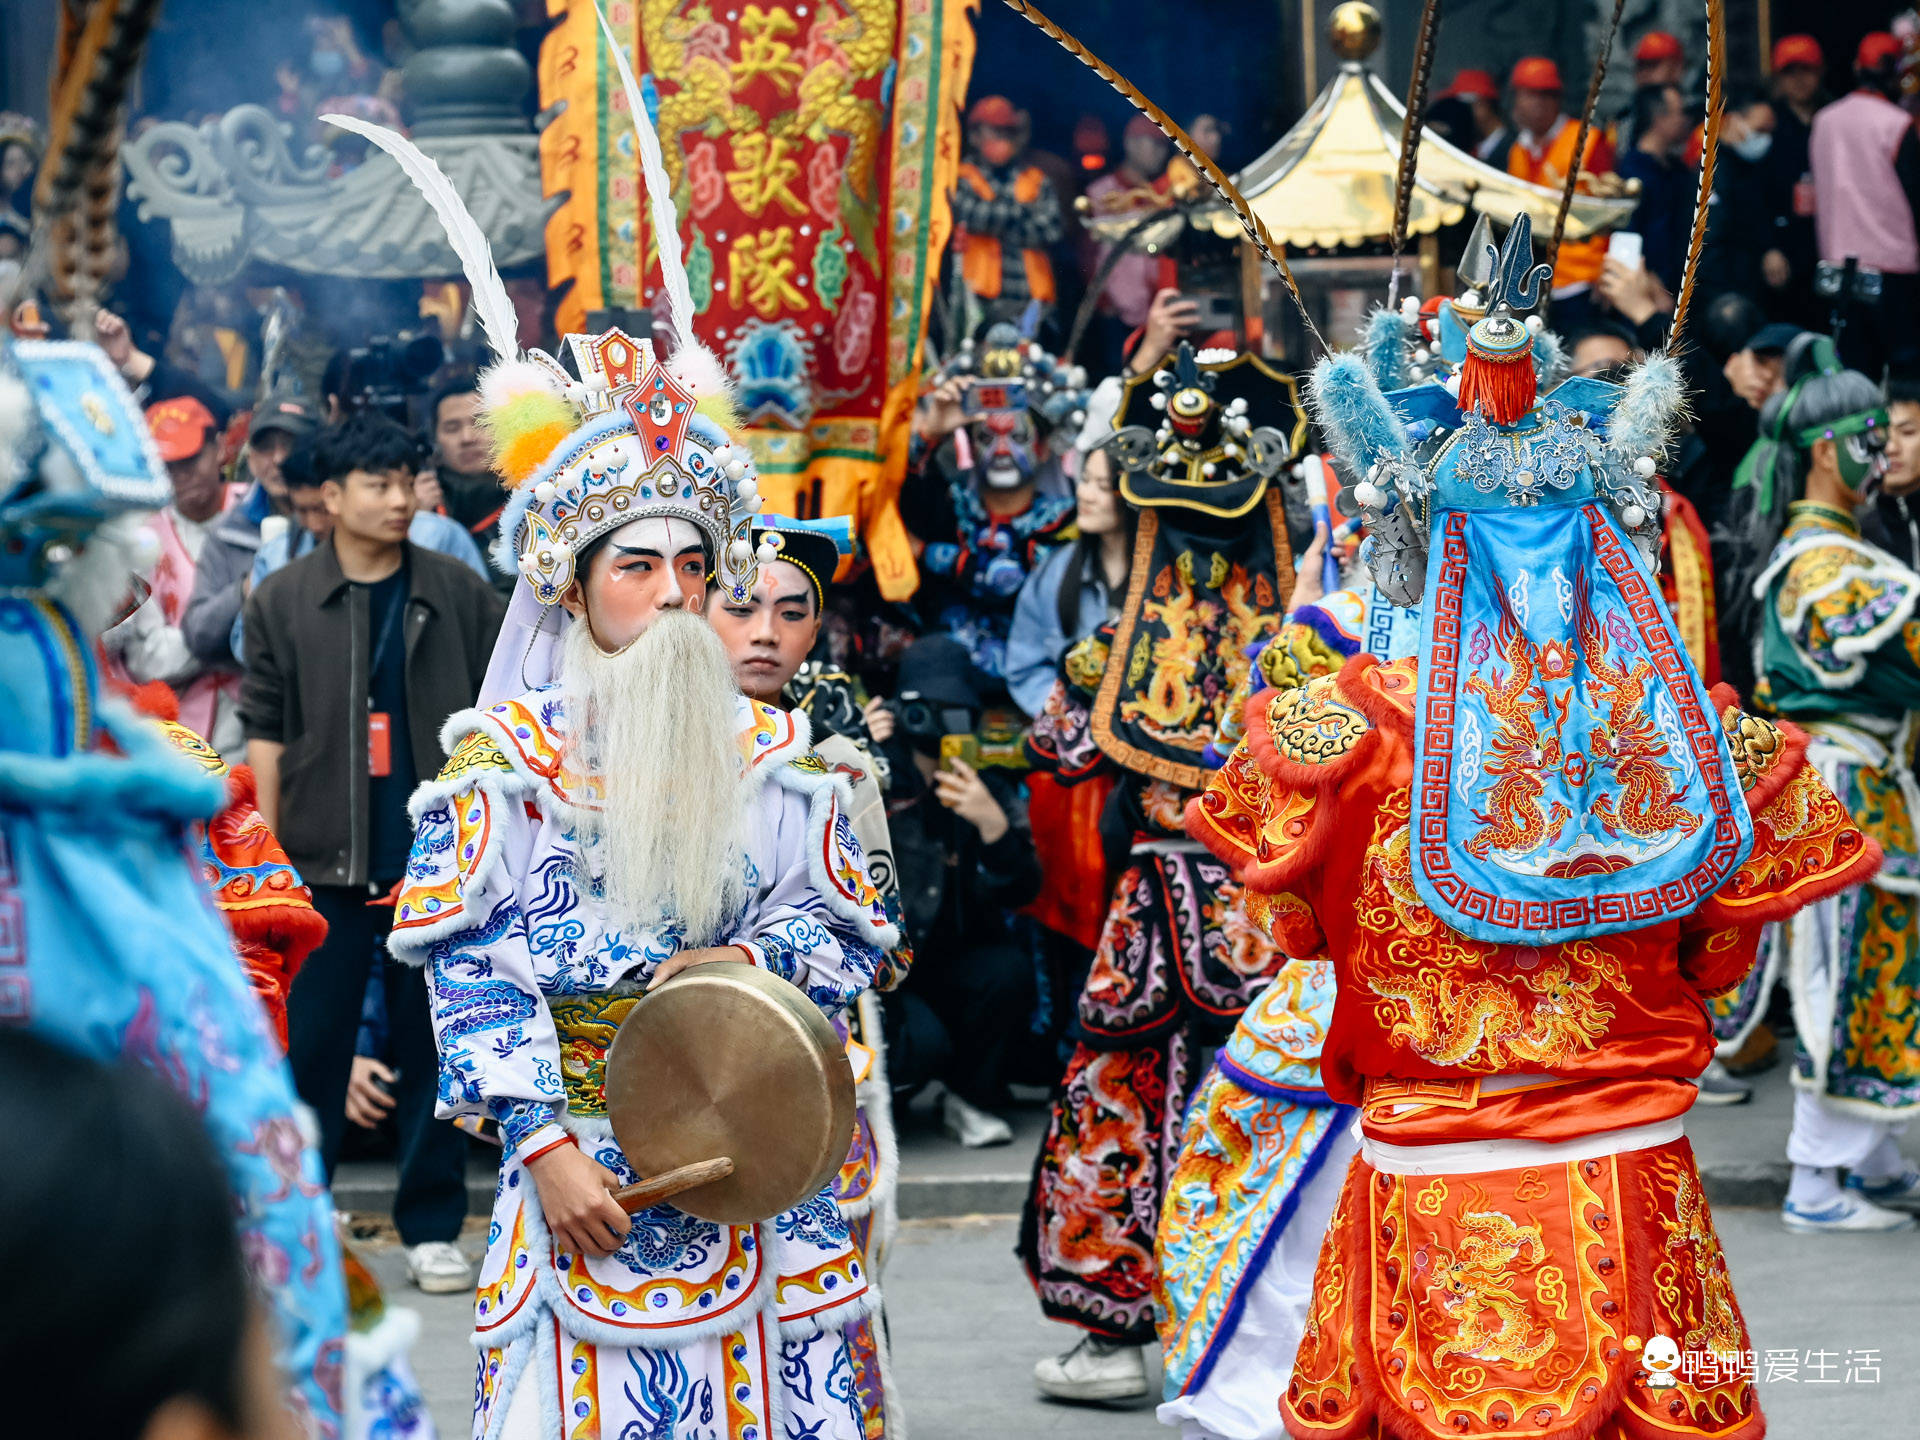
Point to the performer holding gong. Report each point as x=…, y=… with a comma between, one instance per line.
x=618, y=815
x=590, y=839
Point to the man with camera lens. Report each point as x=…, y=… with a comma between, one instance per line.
x=986, y=494
x=966, y=863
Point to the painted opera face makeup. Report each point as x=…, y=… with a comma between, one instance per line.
x=769, y=634
x=1006, y=447
x=644, y=568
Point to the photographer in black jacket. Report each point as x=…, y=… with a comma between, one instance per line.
x=966, y=863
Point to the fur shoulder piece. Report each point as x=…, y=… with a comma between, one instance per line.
x=1299, y=734
x=1766, y=756
x=836, y=863
x=1806, y=845
x=770, y=738
x=500, y=762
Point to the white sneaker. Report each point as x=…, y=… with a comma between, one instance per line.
x=1900, y=1191
x=1094, y=1370
x=439, y=1268
x=972, y=1126
x=1849, y=1212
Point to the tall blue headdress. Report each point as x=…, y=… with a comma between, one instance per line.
x=1570, y=775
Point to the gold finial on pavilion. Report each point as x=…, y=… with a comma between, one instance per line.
x=1354, y=29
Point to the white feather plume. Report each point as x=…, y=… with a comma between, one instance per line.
x=653, y=168
x=1651, y=402
x=699, y=370
x=490, y=300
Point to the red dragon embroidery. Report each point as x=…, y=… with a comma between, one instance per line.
x=1625, y=742
x=1519, y=757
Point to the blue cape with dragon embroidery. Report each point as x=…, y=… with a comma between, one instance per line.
x=1570, y=774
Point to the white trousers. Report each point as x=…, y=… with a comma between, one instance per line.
x=1824, y=1135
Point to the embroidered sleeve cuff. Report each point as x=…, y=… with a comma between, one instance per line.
x=520, y=1120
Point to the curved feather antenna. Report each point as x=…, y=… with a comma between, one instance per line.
x=1413, y=123
x=1586, y=128
x=490, y=300
x=1223, y=187
x=653, y=168
x=1709, y=156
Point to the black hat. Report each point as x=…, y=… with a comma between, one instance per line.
x=816, y=554
x=292, y=413
x=1206, y=437
x=938, y=669
x=1773, y=339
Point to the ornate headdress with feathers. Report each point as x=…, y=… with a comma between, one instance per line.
x=634, y=436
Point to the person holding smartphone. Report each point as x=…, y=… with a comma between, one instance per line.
x=966, y=863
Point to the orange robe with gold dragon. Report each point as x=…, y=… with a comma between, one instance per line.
x=1525, y=1213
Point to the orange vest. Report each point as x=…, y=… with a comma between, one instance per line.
x=980, y=254
x=1580, y=260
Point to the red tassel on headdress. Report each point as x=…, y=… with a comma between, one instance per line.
x=1503, y=389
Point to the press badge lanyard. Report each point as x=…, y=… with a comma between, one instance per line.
x=379, y=722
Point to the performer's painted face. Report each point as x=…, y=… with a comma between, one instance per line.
x=1862, y=458
x=1006, y=448
x=644, y=568
x=768, y=634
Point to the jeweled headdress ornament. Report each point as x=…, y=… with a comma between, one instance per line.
x=1210, y=437
x=1497, y=378
x=1034, y=380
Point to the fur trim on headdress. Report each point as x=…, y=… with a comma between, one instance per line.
x=526, y=416
x=1386, y=346
x=1550, y=360
x=1353, y=414
x=702, y=375
x=1652, y=399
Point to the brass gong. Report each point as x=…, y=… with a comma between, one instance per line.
x=726, y=1062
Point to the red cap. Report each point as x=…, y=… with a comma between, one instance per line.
x=1141, y=125
x=1537, y=72
x=1792, y=50
x=1471, y=83
x=1657, y=45
x=994, y=110
x=1877, y=47
x=1090, y=135
x=180, y=427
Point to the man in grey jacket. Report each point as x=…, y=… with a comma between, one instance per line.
x=222, y=575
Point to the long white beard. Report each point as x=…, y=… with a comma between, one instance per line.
x=656, y=725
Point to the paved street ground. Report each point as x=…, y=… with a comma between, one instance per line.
x=966, y=1331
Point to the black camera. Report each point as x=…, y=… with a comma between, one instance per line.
x=387, y=371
